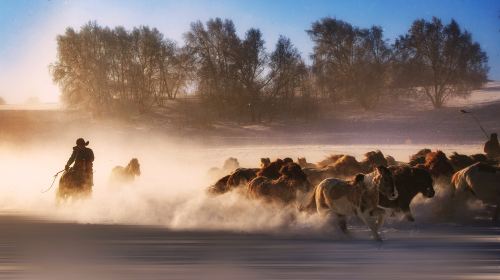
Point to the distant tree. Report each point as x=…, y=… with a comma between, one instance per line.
x=104, y=70
x=2, y=101
x=214, y=51
x=349, y=62
x=228, y=70
x=441, y=61
x=252, y=62
x=287, y=72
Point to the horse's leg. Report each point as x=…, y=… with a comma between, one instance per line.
x=407, y=213
x=365, y=217
x=380, y=220
x=341, y=220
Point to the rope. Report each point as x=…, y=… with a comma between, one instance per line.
x=51, y=185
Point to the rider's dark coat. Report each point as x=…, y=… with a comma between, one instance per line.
x=83, y=158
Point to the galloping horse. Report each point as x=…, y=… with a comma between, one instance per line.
x=481, y=181
x=127, y=174
x=283, y=189
x=357, y=198
x=73, y=184
x=409, y=182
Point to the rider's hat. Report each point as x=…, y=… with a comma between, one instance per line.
x=81, y=142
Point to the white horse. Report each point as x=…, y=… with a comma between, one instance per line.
x=357, y=198
x=482, y=181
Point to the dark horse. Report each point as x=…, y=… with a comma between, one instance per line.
x=73, y=184
x=409, y=182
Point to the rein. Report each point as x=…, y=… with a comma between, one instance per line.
x=51, y=185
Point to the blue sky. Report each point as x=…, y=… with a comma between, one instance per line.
x=28, y=27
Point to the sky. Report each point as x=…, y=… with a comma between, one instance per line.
x=28, y=28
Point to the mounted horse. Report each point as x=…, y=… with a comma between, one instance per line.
x=77, y=181
x=359, y=197
x=73, y=184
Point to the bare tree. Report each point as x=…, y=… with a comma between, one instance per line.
x=287, y=71
x=350, y=62
x=439, y=61
x=105, y=70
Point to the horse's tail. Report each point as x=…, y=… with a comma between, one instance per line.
x=459, y=182
x=310, y=205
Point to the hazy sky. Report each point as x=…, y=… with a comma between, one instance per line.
x=28, y=28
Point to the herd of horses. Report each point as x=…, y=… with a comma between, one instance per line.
x=72, y=187
x=340, y=187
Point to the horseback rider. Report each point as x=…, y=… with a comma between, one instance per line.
x=492, y=147
x=83, y=158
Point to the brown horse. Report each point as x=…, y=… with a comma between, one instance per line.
x=126, y=174
x=438, y=164
x=329, y=161
x=372, y=160
x=419, y=157
x=409, y=182
x=304, y=164
x=73, y=184
x=283, y=189
x=344, y=167
x=481, y=181
x=359, y=197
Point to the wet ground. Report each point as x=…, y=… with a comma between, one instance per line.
x=41, y=249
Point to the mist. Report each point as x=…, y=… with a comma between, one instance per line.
x=171, y=191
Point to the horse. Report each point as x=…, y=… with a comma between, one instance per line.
x=126, y=174
x=419, y=157
x=73, y=184
x=329, y=160
x=230, y=164
x=359, y=197
x=264, y=162
x=344, y=167
x=241, y=176
x=272, y=171
x=283, y=189
x=460, y=161
x=391, y=160
x=220, y=186
x=482, y=181
x=438, y=164
x=372, y=160
x=304, y=164
x=409, y=182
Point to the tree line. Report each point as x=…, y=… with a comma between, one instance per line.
x=117, y=70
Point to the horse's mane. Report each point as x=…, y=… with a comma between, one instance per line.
x=346, y=165
x=438, y=163
x=419, y=157
x=329, y=160
x=375, y=158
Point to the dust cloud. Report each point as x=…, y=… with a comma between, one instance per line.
x=171, y=191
